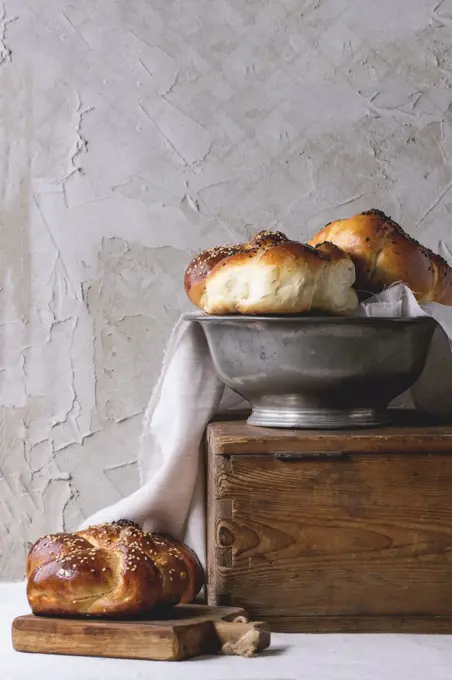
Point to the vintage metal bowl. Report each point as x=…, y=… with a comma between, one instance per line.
x=318, y=372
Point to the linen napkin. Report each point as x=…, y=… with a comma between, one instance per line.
x=189, y=393
x=186, y=397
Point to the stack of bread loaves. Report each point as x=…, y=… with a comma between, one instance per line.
x=346, y=261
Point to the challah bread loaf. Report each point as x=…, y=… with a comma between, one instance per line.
x=272, y=275
x=384, y=254
x=110, y=570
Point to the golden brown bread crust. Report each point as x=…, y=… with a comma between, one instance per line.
x=383, y=254
x=110, y=570
x=203, y=264
x=195, y=580
x=270, y=275
x=331, y=251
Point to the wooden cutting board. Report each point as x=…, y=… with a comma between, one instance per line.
x=191, y=631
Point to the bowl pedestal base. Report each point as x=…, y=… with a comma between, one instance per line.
x=318, y=418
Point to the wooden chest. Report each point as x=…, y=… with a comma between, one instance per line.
x=332, y=531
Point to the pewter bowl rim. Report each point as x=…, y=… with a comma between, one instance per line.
x=293, y=318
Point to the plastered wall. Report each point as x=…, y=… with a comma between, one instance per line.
x=135, y=132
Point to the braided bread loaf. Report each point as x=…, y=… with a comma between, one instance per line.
x=272, y=275
x=110, y=570
x=384, y=254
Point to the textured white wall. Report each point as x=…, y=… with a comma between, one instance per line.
x=132, y=134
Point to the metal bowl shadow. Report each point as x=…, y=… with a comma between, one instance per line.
x=318, y=372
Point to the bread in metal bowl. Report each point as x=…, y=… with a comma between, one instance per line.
x=272, y=275
x=384, y=254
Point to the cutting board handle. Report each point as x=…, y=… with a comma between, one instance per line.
x=243, y=638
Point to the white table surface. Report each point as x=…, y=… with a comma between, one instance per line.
x=291, y=657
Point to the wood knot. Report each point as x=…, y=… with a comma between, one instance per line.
x=225, y=538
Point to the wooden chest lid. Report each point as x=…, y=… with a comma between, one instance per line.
x=408, y=434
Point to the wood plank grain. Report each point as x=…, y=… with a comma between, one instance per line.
x=101, y=639
x=410, y=435
x=369, y=536
x=189, y=633
x=363, y=624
